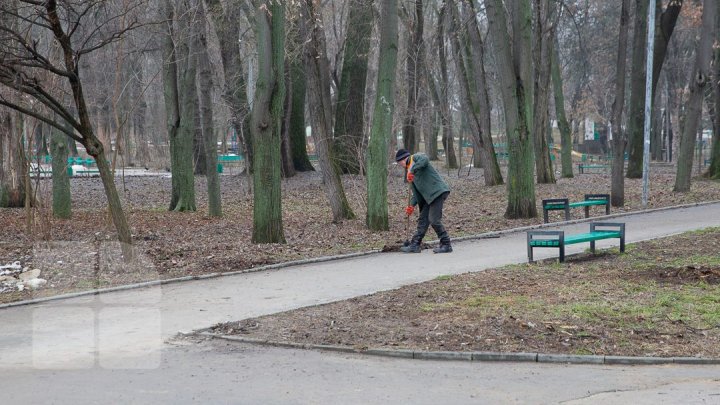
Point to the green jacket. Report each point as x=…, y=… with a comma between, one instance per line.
x=427, y=184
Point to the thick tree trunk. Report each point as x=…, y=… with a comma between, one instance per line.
x=182, y=145
x=317, y=68
x=714, y=169
x=61, y=202
x=206, y=111
x=617, y=187
x=636, y=114
x=516, y=84
x=377, y=160
x=543, y=52
x=350, y=107
x=12, y=174
x=563, y=126
x=265, y=123
x=698, y=82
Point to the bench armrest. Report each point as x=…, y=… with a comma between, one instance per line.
x=611, y=226
x=553, y=236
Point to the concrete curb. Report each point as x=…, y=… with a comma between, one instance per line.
x=486, y=235
x=471, y=356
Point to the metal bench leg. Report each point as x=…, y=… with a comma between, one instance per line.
x=545, y=215
x=530, y=249
x=562, y=252
x=567, y=212
x=607, y=208
x=592, y=246
x=587, y=212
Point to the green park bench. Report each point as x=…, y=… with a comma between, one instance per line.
x=86, y=172
x=555, y=204
x=227, y=160
x=586, y=168
x=558, y=239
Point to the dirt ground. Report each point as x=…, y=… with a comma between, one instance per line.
x=78, y=254
x=660, y=298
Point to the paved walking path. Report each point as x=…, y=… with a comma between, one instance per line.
x=124, y=333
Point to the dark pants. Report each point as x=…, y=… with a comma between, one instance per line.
x=431, y=215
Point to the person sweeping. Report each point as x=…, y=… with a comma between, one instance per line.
x=429, y=192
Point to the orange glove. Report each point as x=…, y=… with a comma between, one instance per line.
x=409, y=210
x=410, y=177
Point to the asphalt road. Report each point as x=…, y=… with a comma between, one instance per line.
x=114, y=347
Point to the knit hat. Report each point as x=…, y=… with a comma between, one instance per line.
x=401, y=154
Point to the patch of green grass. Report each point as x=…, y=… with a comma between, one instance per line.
x=695, y=260
x=443, y=277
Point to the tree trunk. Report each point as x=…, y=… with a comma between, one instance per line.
x=182, y=145
x=636, y=114
x=414, y=49
x=543, y=52
x=228, y=32
x=317, y=68
x=443, y=95
x=350, y=107
x=516, y=83
x=12, y=174
x=469, y=59
x=377, y=165
x=265, y=123
x=617, y=187
x=298, y=138
x=286, y=157
x=565, y=135
x=61, y=201
x=714, y=169
x=170, y=94
x=698, y=81
x=206, y=109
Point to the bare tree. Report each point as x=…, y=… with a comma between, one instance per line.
x=618, y=166
x=317, y=68
x=78, y=28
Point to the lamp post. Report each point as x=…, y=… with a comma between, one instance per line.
x=648, y=100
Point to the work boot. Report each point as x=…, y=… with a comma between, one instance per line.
x=413, y=247
x=443, y=248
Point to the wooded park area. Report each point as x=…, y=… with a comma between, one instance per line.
x=528, y=92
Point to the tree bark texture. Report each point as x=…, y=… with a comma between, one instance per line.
x=317, y=68
x=544, y=41
x=636, y=113
x=350, y=106
x=469, y=57
x=699, y=81
x=516, y=83
x=182, y=147
x=563, y=126
x=265, y=123
x=205, y=82
x=12, y=172
x=61, y=201
x=617, y=186
x=377, y=160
